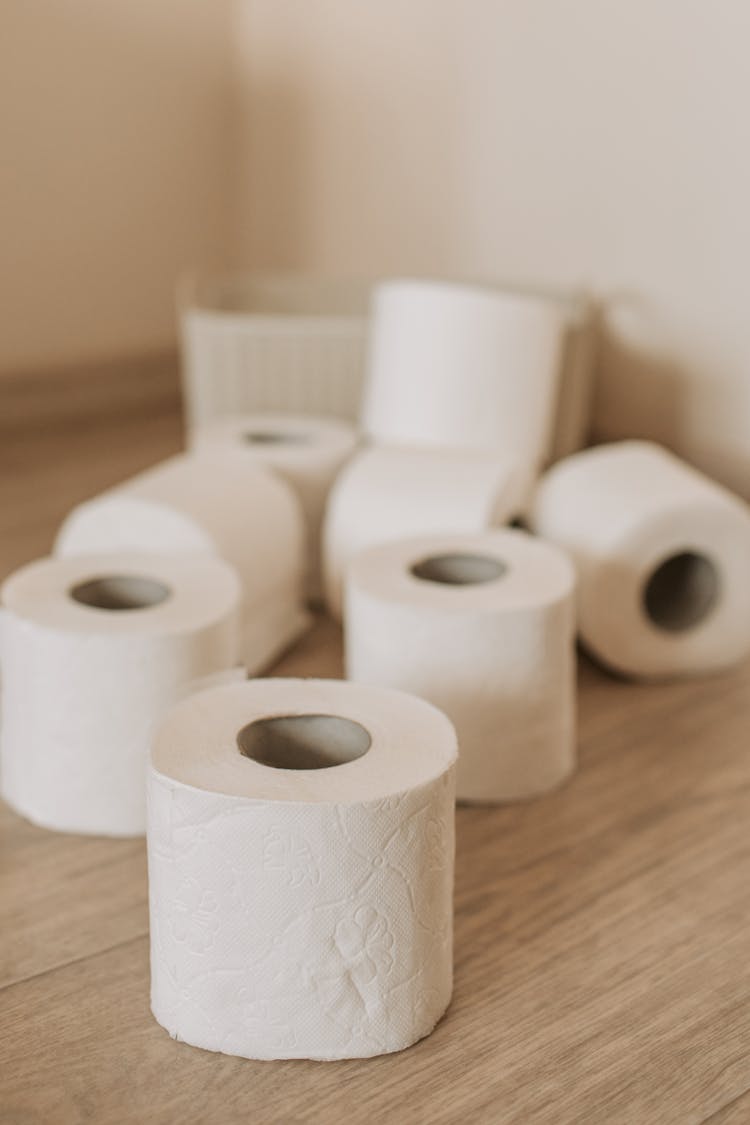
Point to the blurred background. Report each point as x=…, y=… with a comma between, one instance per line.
x=592, y=143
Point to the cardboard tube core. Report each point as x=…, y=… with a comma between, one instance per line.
x=274, y=437
x=120, y=592
x=459, y=570
x=681, y=591
x=303, y=742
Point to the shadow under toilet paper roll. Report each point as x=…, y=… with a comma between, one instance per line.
x=219, y=503
x=483, y=627
x=301, y=839
x=387, y=492
x=662, y=554
x=307, y=452
x=92, y=650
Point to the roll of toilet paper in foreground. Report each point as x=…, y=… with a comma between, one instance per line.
x=465, y=366
x=483, y=627
x=308, y=452
x=301, y=845
x=663, y=558
x=218, y=503
x=387, y=492
x=92, y=650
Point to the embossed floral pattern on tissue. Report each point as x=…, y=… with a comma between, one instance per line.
x=313, y=931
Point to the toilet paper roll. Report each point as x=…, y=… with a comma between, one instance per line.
x=463, y=366
x=300, y=847
x=92, y=650
x=662, y=554
x=307, y=452
x=211, y=502
x=483, y=627
x=576, y=384
x=386, y=493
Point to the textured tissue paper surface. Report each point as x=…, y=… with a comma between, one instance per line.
x=662, y=554
x=83, y=684
x=305, y=451
x=463, y=366
x=483, y=627
x=387, y=493
x=218, y=503
x=301, y=913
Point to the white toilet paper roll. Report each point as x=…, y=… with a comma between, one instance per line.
x=301, y=869
x=308, y=452
x=386, y=493
x=92, y=650
x=463, y=366
x=483, y=627
x=211, y=502
x=576, y=384
x=663, y=558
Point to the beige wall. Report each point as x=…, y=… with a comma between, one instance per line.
x=351, y=116
x=594, y=142
x=115, y=123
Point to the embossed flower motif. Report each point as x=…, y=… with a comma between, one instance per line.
x=290, y=855
x=194, y=916
x=264, y=1026
x=426, y=1006
x=436, y=842
x=389, y=804
x=350, y=988
x=365, y=942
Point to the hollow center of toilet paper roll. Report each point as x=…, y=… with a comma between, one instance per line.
x=681, y=591
x=303, y=742
x=274, y=437
x=120, y=591
x=459, y=570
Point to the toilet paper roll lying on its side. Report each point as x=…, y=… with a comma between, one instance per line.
x=663, y=558
x=386, y=493
x=92, y=650
x=483, y=627
x=211, y=502
x=301, y=869
x=463, y=366
x=308, y=452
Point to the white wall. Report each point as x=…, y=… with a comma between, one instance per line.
x=115, y=133
x=599, y=142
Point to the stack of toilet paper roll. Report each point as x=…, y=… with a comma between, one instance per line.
x=459, y=404
x=216, y=502
x=190, y=573
x=389, y=492
x=300, y=833
x=308, y=452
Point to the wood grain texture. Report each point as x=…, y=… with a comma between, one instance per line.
x=602, y=933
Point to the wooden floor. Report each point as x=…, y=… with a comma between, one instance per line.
x=602, y=934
